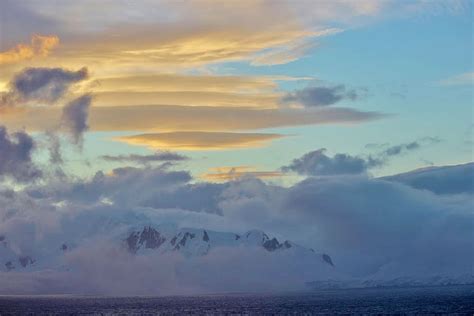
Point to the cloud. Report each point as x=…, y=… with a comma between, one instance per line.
x=190, y=118
x=317, y=163
x=158, y=156
x=459, y=80
x=189, y=34
x=200, y=140
x=375, y=223
x=404, y=148
x=221, y=174
x=319, y=96
x=370, y=227
x=15, y=158
x=41, y=45
x=288, y=53
x=41, y=85
x=189, y=82
x=193, y=37
x=74, y=117
x=456, y=179
x=192, y=98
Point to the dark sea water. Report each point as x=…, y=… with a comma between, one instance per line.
x=454, y=300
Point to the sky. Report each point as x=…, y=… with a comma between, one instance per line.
x=341, y=125
x=392, y=73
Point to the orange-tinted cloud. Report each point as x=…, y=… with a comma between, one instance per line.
x=40, y=46
x=193, y=98
x=223, y=174
x=182, y=82
x=188, y=118
x=199, y=140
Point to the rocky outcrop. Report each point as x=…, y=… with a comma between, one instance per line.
x=184, y=238
x=328, y=260
x=205, y=236
x=198, y=242
x=148, y=238
x=25, y=261
x=9, y=265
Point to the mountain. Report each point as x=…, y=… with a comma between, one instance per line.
x=159, y=239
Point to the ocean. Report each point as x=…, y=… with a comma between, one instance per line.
x=452, y=300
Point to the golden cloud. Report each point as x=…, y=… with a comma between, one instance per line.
x=224, y=174
x=192, y=98
x=181, y=82
x=187, y=118
x=193, y=140
x=39, y=46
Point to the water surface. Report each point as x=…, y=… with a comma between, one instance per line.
x=433, y=300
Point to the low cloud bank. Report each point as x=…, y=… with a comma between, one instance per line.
x=373, y=229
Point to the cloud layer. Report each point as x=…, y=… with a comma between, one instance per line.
x=200, y=140
x=371, y=228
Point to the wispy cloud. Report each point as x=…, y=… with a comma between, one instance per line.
x=40, y=46
x=224, y=174
x=466, y=78
x=159, y=156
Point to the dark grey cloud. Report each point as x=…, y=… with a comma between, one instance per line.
x=387, y=152
x=15, y=156
x=317, y=163
x=41, y=85
x=320, y=96
x=373, y=227
x=74, y=117
x=440, y=180
x=145, y=159
x=45, y=84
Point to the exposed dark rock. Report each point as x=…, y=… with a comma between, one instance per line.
x=25, y=260
x=64, y=247
x=173, y=241
x=328, y=259
x=183, y=240
x=271, y=245
x=237, y=237
x=132, y=242
x=287, y=244
x=205, y=236
x=151, y=238
x=9, y=265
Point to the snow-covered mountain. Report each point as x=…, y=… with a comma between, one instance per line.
x=159, y=239
x=167, y=256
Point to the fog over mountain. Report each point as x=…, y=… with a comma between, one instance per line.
x=159, y=232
